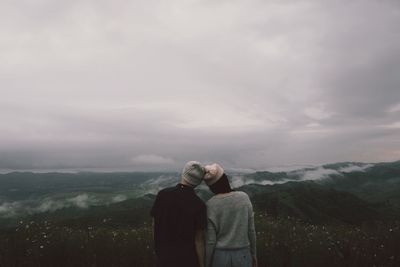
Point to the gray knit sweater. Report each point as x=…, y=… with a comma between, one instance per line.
x=230, y=223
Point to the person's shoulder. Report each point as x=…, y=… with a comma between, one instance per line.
x=241, y=194
x=166, y=191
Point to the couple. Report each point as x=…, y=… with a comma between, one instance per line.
x=189, y=233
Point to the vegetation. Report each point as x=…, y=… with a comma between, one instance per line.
x=280, y=242
x=292, y=242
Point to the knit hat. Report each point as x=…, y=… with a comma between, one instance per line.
x=193, y=173
x=213, y=173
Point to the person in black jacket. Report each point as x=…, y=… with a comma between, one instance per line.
x=180, y=220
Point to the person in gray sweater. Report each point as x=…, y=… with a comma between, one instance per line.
x=230, y=235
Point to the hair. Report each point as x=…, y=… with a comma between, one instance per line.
x=221, y=186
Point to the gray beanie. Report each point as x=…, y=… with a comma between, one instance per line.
x=193, y=173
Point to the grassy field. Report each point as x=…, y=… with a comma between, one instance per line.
x=281, y=242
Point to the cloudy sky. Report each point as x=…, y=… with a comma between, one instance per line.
x=148, y=85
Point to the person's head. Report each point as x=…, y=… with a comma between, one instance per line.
x=192, y=174
x=216, y=179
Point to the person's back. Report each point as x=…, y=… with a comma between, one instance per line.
x=177, y=215
x=231, y=215
x=179, y=218
x=231, y=237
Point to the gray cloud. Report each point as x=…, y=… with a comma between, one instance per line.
x=150, y=85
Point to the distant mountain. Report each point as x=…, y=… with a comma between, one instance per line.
x=23, y=185
x=307, y=201
x=347, y=192
x=313, y=203
x=343, y=165
x=342, y=192
x=267, y=176
x=375, y=183
x=132, y=212
x=379, y=183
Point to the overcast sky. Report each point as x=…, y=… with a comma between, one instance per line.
x=149, y=85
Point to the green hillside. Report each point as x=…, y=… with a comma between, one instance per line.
x=313, y=203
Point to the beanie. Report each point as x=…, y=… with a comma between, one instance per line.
x=193, y=173
x=213, y=173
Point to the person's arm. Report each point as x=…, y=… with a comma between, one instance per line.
x=211, y=240
x=252, y=236
x=199, y=242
